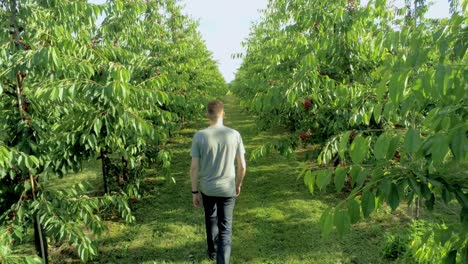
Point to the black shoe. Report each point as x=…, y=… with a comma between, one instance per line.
x=212, y=255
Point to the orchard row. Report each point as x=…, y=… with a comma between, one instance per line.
x=382, y=91
x=78, y=82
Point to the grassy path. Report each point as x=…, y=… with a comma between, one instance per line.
x=275, y=219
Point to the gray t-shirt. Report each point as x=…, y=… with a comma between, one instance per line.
x=217, y=147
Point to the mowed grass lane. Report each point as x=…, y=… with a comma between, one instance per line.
x=275, y=218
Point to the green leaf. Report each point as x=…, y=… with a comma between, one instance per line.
x=381, y=146
x=395, y=89
x=326, y=223
x=323, y=178
x=430, y=202
x=340, y=178
x=354, y=211
x=425, y=191
x=354, y=173
x=309, y=181
x=446, y=197
x=361, y=177
x=439, y=147
x=464, y=254
x=412, y=141
x=393, y=197
x=381, y=90
x=439, y=82
x=377, y=112
x=343, y=144
x=325, y=156
x=26, y=162
x=342, y=222
x=444, y=235
x=462, y=198
x=19, y=160
x=97, y=126
x=415, y=186
x=394, y=142
x=367, y=203
x=359, y=149
x=34, y=160
x=451, y=257
x=458, y=144
x=53, y=56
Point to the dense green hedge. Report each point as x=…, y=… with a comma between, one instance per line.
x=382, y=91
x=80, y=81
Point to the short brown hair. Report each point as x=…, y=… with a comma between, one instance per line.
x=214, y=109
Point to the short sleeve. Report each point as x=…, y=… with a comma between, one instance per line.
x=240, y=146
x=195, y=150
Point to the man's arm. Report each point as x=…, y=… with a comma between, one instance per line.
x=194, y=176
x=241, y=169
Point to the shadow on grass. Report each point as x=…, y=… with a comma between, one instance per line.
x=151, y=253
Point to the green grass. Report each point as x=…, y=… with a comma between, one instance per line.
x=275, y=218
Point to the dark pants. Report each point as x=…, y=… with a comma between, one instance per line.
x=218, y=222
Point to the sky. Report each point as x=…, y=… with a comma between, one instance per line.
x=224, y=24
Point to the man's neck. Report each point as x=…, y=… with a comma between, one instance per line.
x=218, y=122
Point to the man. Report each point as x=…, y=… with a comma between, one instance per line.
x=214, y=151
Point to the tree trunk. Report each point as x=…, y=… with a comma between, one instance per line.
x=125, y=173
x=40, y=239
x=105, y=172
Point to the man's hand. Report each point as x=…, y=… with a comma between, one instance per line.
x=238, y=190
x=196, y=200
x=194, y=177
x=241, y=168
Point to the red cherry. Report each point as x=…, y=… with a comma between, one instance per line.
x=307, y=103
x=397, y=156
x=304, y=136
x=12, y=214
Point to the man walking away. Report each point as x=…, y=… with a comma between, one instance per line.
x=214, y=151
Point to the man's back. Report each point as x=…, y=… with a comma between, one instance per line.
x=214, y=151
x=217, y=147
